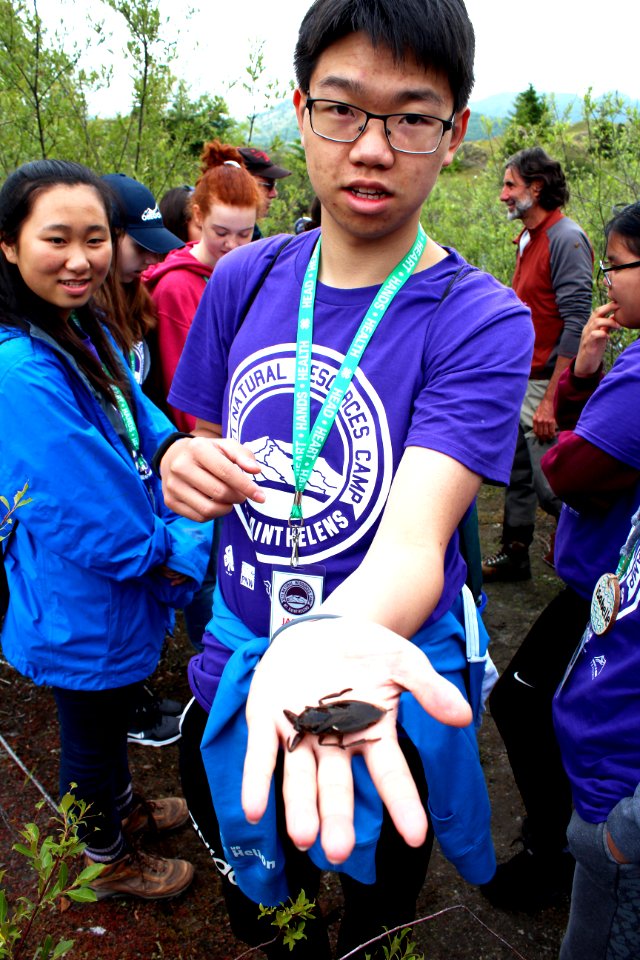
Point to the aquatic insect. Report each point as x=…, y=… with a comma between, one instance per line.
x=334, y=719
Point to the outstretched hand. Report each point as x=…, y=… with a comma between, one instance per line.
x=312, y=660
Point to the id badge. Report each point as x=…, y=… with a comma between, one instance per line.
x=605, y=603
x=295, y=592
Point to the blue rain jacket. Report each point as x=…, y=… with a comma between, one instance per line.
x=88, y=609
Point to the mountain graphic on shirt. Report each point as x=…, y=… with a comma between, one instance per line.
x=597, y=666
x=275, y=459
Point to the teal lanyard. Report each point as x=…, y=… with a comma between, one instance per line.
x=627, y=550
x=308, y=442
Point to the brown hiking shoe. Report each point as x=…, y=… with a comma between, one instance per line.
x=155, y=816
x=139, y=875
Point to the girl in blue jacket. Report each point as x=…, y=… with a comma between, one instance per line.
x=97, y=562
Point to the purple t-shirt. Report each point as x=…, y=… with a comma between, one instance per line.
x=596, y=711
x=588, y=541
x=444, y=375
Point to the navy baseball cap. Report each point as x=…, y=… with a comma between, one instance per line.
x=138, y=215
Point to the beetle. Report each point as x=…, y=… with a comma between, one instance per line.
x=334, y=719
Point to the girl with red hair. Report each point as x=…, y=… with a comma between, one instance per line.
x=224, y=205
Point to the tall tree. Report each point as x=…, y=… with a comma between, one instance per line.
x=149, y=55
x=159, y=140
x=530, y=108
x=43, y=110
x=263, y=93
x=529, y=123
x=190, y=123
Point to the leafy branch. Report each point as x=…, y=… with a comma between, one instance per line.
x=18, y=501
x=49, y=859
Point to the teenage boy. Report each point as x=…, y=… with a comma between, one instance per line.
x=419, y=403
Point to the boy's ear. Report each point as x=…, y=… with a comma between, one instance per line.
x=460, y=124
x=299, y=101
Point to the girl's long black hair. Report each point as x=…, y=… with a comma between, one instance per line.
x=19, y=304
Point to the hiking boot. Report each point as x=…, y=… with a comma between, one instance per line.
x=529, y=882
x=155, y=816
x=152, y=728
x=511, y=563
x=139, y=875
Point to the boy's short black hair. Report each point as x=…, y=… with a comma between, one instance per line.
x=436, y=33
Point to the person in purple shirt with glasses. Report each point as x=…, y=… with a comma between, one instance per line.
x=348, y=405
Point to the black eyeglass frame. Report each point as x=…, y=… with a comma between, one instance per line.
x=614, y=268
x=446, y=124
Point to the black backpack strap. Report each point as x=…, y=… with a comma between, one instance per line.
x=468, y=530
x=260, y=281
x=460, y=274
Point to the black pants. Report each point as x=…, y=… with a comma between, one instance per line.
x=520, y=704
x=93, y=755
x=368, y=908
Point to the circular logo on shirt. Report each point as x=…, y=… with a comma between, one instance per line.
x=351, y=477
x=296, y=597
x=605, y=603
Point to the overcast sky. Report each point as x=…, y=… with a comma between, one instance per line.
x=560, y=46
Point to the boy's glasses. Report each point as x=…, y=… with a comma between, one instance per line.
x=405, y=132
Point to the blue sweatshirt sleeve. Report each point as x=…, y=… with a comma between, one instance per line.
x=88, y=502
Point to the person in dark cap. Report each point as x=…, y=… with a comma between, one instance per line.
x=143, y=240
x=266, y=173
x=144, y=232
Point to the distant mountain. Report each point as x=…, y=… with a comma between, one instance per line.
x=500, y=105
x=280, y=121
x=567, y=105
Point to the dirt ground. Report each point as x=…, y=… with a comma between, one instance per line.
x=194, y=927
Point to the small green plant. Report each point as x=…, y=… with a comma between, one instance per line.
x=49, y=858
x=290, y=918
x=18, y=501
x=401, y=947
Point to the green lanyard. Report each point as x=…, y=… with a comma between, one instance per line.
x=143, y=468
x=627, y=550
x=129, y=424
x=308, y=442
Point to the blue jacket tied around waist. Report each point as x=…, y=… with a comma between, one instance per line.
x=459, y=808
